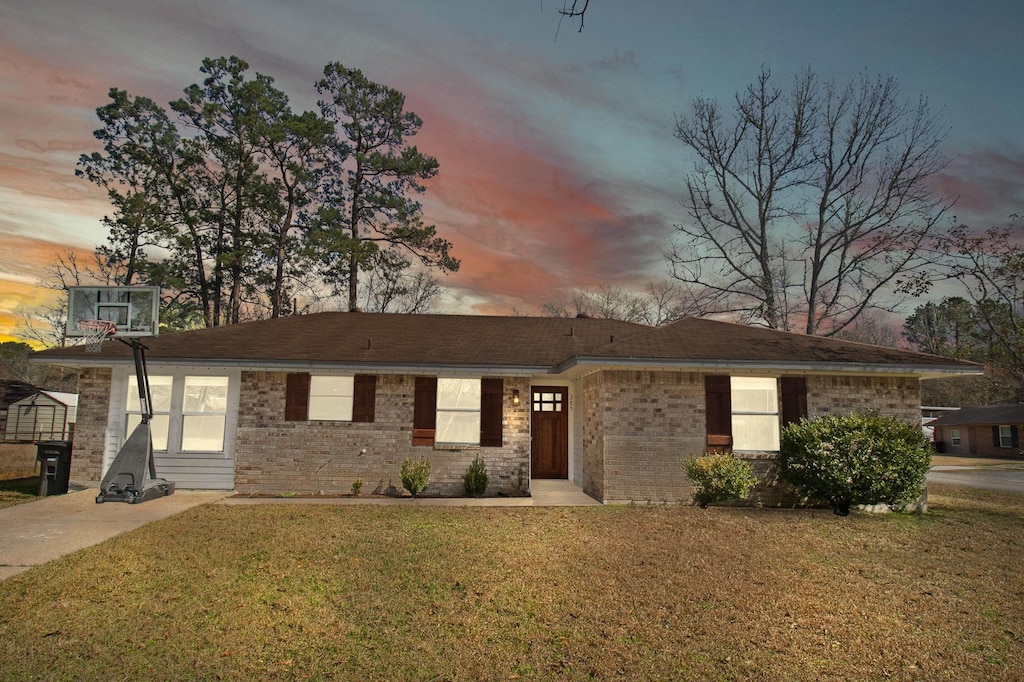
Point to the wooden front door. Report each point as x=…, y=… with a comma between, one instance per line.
x=550, y=428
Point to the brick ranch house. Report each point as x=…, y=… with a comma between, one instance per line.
x=310, y=403
x=989, y=431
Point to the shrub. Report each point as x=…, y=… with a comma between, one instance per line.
x=475, y=479
x=719, y=477
x=415, y=475
x=855, y=459
x=357, y=485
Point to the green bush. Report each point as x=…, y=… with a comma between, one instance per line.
x=415, y=475
x=357, y=485
x=855, y=459
x=719, y=477
x=475, y=479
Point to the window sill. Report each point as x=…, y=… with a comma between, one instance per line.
x=454, y=447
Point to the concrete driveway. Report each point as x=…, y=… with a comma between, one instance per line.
x=1003, y=477
x=50, y=527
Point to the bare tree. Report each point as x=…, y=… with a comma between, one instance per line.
x=808, y=207
x=875, y=327
x=392, y=287
x=990, y=266
x=575, y=11
x=659, y=303
x=47, y=324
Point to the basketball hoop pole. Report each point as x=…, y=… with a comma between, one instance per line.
x=145, y=396
x=126, y=479
x=142, y=376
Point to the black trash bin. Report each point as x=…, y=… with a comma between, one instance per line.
x=54, y=459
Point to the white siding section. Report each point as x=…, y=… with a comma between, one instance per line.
x=190, y=470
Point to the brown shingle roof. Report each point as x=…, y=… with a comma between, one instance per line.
x=989, y=414
x=380, y=339
x=526, y=342
x=695, y=338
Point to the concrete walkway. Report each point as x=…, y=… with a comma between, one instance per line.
x=50, y=527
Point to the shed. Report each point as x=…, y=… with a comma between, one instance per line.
x=44, y=415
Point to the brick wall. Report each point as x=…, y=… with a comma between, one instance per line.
x=277, y=456
x=976, y=440
x=640, y=425
x=91, y=425
x=898, y=397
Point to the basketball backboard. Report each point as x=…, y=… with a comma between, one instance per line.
x=134, y=310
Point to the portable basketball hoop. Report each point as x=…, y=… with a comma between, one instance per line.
x=127, y=314
x=95, y=332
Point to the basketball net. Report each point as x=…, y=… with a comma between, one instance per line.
x=95, y=332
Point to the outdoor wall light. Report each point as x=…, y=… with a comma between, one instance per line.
x=515, y=397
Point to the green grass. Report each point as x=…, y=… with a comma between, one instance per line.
x=18, y=490
x=394, y=592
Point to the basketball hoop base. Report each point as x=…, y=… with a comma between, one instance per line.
x=151, y=491
x=127, y=480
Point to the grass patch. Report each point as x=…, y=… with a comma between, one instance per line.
x=18, y=490
x=390, y=593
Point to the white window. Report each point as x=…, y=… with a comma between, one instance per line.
x=204, y=413
x=331, y=398
x=160, y=392
x=954, y=436
x=1005, y=437
x=189, y=412
x=458, y=412
x=755, y=413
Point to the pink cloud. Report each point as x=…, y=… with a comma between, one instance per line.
x=527, y=223
x=988, y=185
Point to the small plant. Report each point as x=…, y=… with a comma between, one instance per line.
x=475, y=479
x=719, y=477
x=415, y=475
x=357, y=485
x=855, y=459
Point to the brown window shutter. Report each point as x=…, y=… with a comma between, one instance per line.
x=424, y=418
x=1014, y=437
x=794, y=399
x=718, y=404
x=296, y=399
x=490, y=412
x=995, y=436
x=365, y=399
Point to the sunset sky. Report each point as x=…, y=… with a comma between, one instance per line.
x=558, y=168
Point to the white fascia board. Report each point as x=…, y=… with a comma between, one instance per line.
x=921, y=371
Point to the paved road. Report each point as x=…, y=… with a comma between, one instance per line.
x=1006, y=478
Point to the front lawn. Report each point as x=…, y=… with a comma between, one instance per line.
x=393, y=592
x=18, y=490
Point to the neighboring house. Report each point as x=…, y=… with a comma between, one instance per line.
x=990, y=431
x=310, y=403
